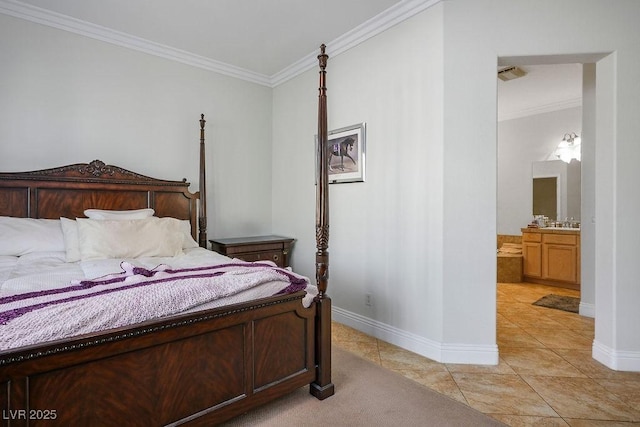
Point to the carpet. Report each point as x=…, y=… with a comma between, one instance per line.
x=559, y=302
x=366, y=395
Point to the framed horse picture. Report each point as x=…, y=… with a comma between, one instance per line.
x=346, y=157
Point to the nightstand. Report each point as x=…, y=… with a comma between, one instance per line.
x=256, y=248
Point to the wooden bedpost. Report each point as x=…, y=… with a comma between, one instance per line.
x=202, y=214
x=322, y=387
x=322, y=189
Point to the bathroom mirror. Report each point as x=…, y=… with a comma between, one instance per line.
x=545, y=197
x=566, y=197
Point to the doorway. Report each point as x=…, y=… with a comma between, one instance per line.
x=560, y=118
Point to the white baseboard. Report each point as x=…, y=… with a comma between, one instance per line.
x=440, y=352
x=587, y=310
x=616, y=360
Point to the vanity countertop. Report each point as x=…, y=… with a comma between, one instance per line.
x=555, y=230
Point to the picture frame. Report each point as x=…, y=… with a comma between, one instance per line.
x=347, y=150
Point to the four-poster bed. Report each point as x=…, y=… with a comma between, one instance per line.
x=201, y=367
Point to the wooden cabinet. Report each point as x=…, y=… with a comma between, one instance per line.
x=551, y=257
x=256, y=248
x=532, y=255
x=560, y=255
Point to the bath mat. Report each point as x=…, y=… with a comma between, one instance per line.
x=559, y=302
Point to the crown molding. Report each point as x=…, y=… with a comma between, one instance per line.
x=49, y=18
x=540, y=109
x=376, y=25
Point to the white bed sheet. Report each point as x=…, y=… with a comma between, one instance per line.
x=36, y=271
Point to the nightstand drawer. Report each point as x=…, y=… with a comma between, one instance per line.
x=232, y=250
x=275, y=256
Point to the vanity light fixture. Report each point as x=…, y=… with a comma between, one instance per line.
x=569, y=148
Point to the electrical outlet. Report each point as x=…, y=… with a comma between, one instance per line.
x=368, y=300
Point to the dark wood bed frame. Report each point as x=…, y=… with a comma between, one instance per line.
x=197, y=369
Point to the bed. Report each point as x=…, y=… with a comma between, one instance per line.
x=199, y=367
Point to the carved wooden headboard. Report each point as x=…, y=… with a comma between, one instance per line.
x=67, y=191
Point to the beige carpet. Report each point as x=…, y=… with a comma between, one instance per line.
x=366, y=395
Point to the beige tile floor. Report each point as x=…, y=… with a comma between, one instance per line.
x=545, y=377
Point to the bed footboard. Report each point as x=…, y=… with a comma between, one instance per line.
x=198, y=369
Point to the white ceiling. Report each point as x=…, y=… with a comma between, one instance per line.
x=544, y=88
x=262, y=36
x=260, y=39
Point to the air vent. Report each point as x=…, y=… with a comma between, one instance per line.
x=511, y=73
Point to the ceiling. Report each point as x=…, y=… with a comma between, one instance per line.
x=545, y=87
x=266, y=40
x=262, y=36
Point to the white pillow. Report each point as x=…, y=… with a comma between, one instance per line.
x=129, y=238
x=71, y=242
x=20, y=236
x=128, y=214
x=189, y=241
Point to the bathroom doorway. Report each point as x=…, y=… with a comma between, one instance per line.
x=533, y=133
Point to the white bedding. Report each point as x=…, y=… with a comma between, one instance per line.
x=48, y=270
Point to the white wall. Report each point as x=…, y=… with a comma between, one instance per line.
x=521, y=142
x=379, y=228
x=573, y=190
x=70, y=99
x=419, y=235
x=588, y=193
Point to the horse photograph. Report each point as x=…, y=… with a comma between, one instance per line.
x=346, y=154
x=341, y=149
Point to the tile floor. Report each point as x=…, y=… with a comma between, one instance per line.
x=545, y=377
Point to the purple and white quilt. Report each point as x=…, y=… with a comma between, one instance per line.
x=133, y=295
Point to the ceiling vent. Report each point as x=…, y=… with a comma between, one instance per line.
x=511, y=73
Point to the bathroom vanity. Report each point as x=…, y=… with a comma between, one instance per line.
x=551, y=256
